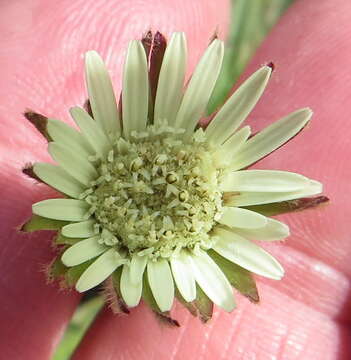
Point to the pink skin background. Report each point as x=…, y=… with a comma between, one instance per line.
x=306, y=316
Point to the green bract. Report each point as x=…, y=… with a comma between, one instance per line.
x=155, y=205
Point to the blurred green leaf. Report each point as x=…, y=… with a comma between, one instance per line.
x=81, y=320
x=251, y=20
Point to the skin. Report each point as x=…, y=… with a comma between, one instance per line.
x=304, y=316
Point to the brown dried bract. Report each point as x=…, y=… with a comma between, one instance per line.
x=28, y=170
x=39, y=121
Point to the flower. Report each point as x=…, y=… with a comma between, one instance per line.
x=159, y=205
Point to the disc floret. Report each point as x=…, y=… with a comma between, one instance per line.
x=157, y=194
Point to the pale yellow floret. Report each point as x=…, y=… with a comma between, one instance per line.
x=157, y=193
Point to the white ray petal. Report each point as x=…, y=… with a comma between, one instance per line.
x=83, y=251
x=101, y=95
x=171, y=79
x=137, y=268
x=161, y=283
x=264, y=181
x=82, y=229
x=74, y=163
x=274, y=230
x=247, y=254
x=212, y=281
x=236, y=141
x=62, y=209
x=131, y=292
x=183, y=276
x=242, y=218
x=238, y=106
x=64, y=134
x=135, y=93
x=271, y=138
x=200, y=87
x=91, y=130
x=99, y=270
x=59, y=179
x=257, y=198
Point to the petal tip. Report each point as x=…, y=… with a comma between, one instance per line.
x=35, y=208
x=91, y=55
x=306, y=113
x=271, y=66
x=81, y=288
x=229, y=305
x=280, y=276
x=317, y=187
x=134, y=45
x=268, y=69
x=65, y=261
x=279, y=272
x=286, y=230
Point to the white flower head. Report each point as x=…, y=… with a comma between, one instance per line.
x=159, y=205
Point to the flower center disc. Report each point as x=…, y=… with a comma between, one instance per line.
x=157, y=194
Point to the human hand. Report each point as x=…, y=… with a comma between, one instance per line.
x=305, y=315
